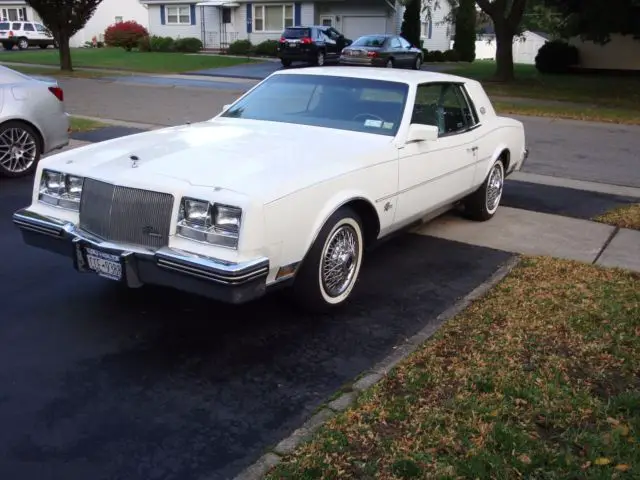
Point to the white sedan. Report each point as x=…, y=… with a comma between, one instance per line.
x=286, y=186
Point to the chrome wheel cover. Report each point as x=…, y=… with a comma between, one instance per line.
x=23, y=44
x=18, y=150
x=418, y=63
x=320, y=59
x=494, y=187
x=389, y=64
x=339, y=260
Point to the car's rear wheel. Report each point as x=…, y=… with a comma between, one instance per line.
x=389, y=63
x=330, y=271
x=23, y=43
x=285, y=62
x=320, y=58
x=482, y=204
x=20, y=149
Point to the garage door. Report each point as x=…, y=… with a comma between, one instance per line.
x=354, y=27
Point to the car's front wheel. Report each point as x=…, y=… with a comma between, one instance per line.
x=482, y=204
x=20, y=149
x=320, y=58
x=23, y=43
x=330, y=271
x=417, y=64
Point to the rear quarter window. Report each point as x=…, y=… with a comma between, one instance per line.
x=16, y=26
x=297, y=33
x=4, y=25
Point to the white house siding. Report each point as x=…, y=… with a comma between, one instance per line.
x=435, y=32
x=354, y=20
x=107, y=13
x=525, y=47
x=158, y=25
x=16, y=11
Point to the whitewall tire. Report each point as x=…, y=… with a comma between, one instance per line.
x=331, y=268
x=483, y=204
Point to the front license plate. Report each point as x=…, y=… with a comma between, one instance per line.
x=104, y=264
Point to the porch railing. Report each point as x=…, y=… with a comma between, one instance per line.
x=219, y=40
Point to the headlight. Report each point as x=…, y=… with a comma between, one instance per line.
x=209, y=222
x=60, y=189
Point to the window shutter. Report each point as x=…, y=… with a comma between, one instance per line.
x=24, y=14
x=162, y=19
x=297, y=14
x=249, y=17
x=192, y=7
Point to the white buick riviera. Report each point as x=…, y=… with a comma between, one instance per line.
x=287, y=186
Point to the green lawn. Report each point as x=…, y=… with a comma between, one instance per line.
x=119, y=59
x=78, y=124
x=596, y=89
x=538, y=380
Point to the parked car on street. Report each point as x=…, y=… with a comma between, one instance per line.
x=312, y=44
x=25, y=35
x=33, y=121
x=287, y=186
x=386, y=50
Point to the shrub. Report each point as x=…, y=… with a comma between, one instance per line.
x=240, y=47
x=556, y=56
x=451, y=56
x=125, y=34
x=437, y=56
x=161, y=44
x=268, y=48
x=188, y=45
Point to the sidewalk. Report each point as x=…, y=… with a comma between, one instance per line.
x=533, y=233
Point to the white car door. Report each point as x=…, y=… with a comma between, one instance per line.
x=433, y=174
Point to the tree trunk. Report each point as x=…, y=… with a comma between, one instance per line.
x=504, y=54
x=65, y=52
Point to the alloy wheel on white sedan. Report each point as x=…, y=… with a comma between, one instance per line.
x=19, y=149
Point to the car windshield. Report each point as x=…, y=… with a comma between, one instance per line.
x=344, y=103
x=370, y=41
x=297, y=33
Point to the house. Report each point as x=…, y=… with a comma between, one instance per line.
x=525, y=45
x=220, y=22
x=436, y=27
x=621, y=53
x=107, y=13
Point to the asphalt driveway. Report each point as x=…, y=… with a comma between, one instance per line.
x=148, y=384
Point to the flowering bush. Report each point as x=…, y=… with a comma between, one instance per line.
x=125, y=34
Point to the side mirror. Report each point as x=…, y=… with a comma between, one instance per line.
x=422, y=133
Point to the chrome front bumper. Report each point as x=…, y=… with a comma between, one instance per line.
x=214, y=278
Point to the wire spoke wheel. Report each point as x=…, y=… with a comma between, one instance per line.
x=494, y=187
x=340, y=261
x=18, y=150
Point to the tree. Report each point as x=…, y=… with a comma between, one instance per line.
x=64, y=18
x=411, y=21
x=465, y=30
x=506, y=16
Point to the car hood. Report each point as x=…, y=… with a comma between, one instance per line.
x=254, y=158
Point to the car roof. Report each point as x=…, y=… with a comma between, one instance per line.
x=374, y=73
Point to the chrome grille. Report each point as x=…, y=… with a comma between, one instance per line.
x=128, y=215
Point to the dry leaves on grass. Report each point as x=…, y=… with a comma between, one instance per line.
x=521, y=384
x=627, y=216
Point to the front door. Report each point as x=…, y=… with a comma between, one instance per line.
x=434, y=174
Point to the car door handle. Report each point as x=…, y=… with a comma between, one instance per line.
x=472, y=149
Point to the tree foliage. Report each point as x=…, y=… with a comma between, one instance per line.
x=64, y=18
x=411, y=21
x=465, y=30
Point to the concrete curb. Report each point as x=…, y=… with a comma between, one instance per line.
x=369, y=378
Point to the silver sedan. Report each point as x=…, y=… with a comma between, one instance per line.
x=33, y=121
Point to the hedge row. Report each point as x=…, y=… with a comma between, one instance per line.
x=130, y=35
x=440, y=56
x=268, y=48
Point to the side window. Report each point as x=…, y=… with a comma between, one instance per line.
x=28, y=27
x=395, y=43
x=425, y=108
x=455, y=109
x=470, y=111
x=404, y=43
x=16, y=26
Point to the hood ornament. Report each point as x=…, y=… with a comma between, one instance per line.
x=134, y=161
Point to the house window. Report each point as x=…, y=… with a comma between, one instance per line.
x=226, y=15
x=178, y=15
x=14, y=14
x=272, y=18
x=426, y=29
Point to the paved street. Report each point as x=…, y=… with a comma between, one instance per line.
x=577, y=150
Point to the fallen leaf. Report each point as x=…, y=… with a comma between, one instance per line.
x=613, y=421
x=623, y=467
x=623, y=430
x=602, y=461
x=586, y=465
x=524, y=459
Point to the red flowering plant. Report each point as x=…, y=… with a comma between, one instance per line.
x=125, y=34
